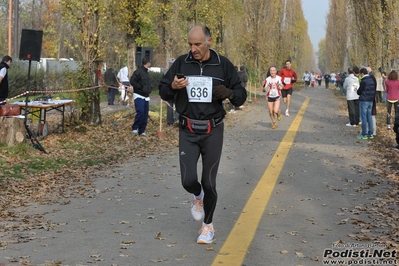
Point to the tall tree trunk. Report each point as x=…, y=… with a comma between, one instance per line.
x=89, y=26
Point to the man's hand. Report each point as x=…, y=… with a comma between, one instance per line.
x=178, y=84
x=220, y=92
x=396, y=128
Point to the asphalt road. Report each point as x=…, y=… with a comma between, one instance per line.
x=139, y=213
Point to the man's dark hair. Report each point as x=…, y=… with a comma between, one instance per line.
x=286, y=61
x=207, y=31
x=364, y=71
x=353, y=69
x=6, y=58
x=145, y=60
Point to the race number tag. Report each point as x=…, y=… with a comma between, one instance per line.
x=199, y=89
x=287, y=80
x=273, y=91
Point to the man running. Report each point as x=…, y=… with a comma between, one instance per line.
x=288, y=76
x=199, y=82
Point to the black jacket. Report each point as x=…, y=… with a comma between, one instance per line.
x=4, y=82
x=396, y=121
x=110, y=77
x=222, y=72
x=140, y=80
x=366, y=90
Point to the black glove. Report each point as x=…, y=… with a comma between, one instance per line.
x=220, y=92
x=395, y=128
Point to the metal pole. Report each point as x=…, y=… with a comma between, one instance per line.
x=10, y=27
x=16, y=28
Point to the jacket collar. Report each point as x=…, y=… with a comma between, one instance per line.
x=213, y=59
x=4, y=64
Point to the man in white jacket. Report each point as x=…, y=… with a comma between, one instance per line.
x=351, y=84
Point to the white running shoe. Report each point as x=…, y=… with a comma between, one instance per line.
x=207, y=234
x=348, y=125
x=388, y=126
x=197, y=209
x=287, y=113
x=135, y=132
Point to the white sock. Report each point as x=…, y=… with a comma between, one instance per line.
x=200, y=196
x=211, y=224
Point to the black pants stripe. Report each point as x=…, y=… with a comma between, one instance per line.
x=354, y=111
x=389, y=111
x=209, y=146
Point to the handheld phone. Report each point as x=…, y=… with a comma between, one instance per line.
x=180, y=76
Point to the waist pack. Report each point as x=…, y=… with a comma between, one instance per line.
x=9, y=110
x=199, y=126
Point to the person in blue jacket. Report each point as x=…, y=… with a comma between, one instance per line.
x=366, y=94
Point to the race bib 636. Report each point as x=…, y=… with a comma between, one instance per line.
x=199, y=89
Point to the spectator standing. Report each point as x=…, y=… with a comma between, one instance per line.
x=374, y=107
x=100, y=74
x=4, y=87
x=140, y=80
x=123, y=76
x=171, y=115
x=333, y=78
x=289, y=77
x=340, y=83
x=396, y=127
x=384, y=78
x=231, y=106
x=366, y=94
x=380, y=88
x=111, y=81
x=242, y=74
x=351, y=85
x=392, y=91
x=201, y=119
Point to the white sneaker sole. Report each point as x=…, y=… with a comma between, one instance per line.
x=202, y=241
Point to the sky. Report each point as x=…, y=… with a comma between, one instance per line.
x=315, y=12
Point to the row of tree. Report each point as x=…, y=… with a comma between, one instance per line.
x=361, y=33
x=254, y=33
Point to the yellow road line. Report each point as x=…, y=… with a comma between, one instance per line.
x=237, y=243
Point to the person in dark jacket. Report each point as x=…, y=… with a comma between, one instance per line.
x=140, y=80
x=199, y=82
x=244, y=80
x=111, y=81
x=366, y=94
x=4, y=65
x=396, y=127
x=374, y=108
